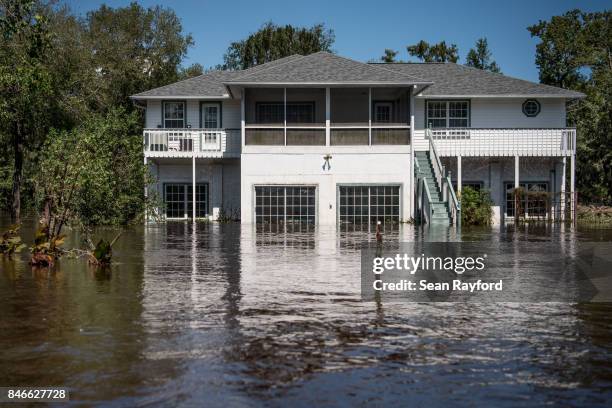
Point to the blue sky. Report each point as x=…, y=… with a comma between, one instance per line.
x=365, y=28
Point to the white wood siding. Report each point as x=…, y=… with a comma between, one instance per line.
x=153, y=114
x=505, y=113
x=231, y=113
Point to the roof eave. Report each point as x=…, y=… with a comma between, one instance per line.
x=190, y=97
x=327, y=83
x=543, y=96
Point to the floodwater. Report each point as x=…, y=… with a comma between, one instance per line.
x=225, y=315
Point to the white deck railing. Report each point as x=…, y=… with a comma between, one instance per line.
x=187, y=142
x=500, y=142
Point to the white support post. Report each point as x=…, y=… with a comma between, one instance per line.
x=370, y=116
x=459, y=178
x=516, y=172
x=242, y=116
x=327, y=117
x=563, y=173
x=146, y=189
x=573, y=186
x=413, y=189
x=193, y=180
x=285, y=114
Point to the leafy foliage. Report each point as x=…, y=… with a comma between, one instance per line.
x=389, y=55
x=10, y=241
x=101, y=254
x=26, y=91
x=272, y=42
x=480, y=57
x=575, y=53
x=94, y=174
x=476, y=206
x=64, y=76
x=435, y=52
x=47, y=247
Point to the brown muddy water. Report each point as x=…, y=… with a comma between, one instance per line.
x=225, y=315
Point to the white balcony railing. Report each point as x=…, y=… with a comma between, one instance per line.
x=501, y=142
x=188, y=142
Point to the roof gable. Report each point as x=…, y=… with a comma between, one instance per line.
x=208, y=85
x=324, y=68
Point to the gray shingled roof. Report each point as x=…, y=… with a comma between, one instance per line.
x=458, y=80
x=324, y=67
x=206, y=85
x=448, y=79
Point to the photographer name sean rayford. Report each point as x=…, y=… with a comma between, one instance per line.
x=424, y=285
x=410, y=264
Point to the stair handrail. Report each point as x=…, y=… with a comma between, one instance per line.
x=454, y=204
x=424, y=202
x=438, y=168
x=446, y=187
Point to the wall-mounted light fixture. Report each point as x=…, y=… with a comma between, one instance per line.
x=326, y=162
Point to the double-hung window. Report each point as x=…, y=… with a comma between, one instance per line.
x=174, y=115
x=448, y=114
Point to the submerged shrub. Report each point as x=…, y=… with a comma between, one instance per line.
x=10, y=241
x=476, y=207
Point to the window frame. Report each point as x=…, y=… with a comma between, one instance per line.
x=390, y=104
x=163, y=113
x=285, y=218
x=369, y=205
x=537, y=112
x=220, y=110
x=447, y=113
x=187, y=196
x=285, y=111
x=525, y=185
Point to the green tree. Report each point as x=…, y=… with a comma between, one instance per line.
x=26, y=91
x=89, y=175
x=134, y=49
x=191, y=71
x=272, y=42
x=574, y=52
x=480, y=57
x=59, y=71
x=389, y=55
x=435, y=52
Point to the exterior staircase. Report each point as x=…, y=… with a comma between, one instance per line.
x=424, y=169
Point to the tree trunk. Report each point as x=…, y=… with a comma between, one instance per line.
x=17, y=176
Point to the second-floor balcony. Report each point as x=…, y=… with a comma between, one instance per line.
x=192, y=142
x=498, y=142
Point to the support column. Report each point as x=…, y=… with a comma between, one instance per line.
x=327, y=117
x=242, y=115
x=573, y=186
x=516, y=186
x=459, y=177
x=146, y=189
x=193, y=192
x=285, y=114
x=370, y=116
x=413, y=189
x=563, y=173
x=516, y=172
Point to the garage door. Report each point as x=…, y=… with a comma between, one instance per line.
x=369, y=204
x=285, y=204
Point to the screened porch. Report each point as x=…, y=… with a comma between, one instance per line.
x=327, y=116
